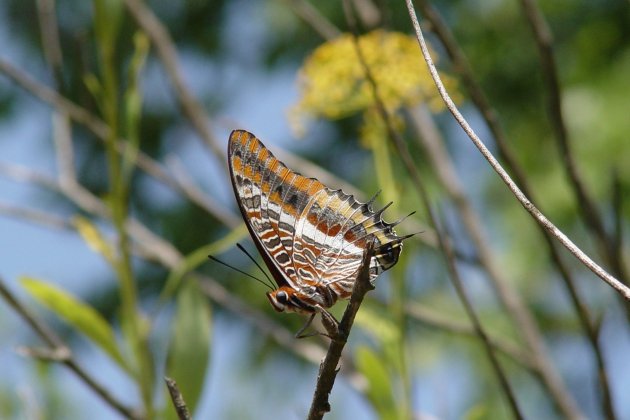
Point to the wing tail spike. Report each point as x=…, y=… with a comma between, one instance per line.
x=371, y=201
x=402, y=219
x=378, y=213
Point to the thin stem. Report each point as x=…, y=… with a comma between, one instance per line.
x=448, y=324
x=106, y=33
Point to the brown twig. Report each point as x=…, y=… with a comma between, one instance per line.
x=57, y=347
x=167, y=52
x=62, y=128
x=196, y=195
x=617, y=207
x=50, y=38
x=448, y=324
x=622, y=289
x=101, y=131
x=178, y=399
x=477, y=326
x=36, y=216
x=329, y=366
x=309, y=14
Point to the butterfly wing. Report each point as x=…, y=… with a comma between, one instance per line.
x=271, y=197
x=309, y=235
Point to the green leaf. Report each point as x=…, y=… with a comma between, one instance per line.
x=189, y=349
x=76, y=313
x=380, y=389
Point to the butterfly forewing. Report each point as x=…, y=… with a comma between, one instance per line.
x=311, y=237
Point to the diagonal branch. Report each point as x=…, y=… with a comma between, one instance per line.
x=448, y=324
x=178, y=399
x=328, y=368
x=167, y=52
x=309, y=14
x=443, y=241
x=101, y=131
x=478, y=97
x=525, y=202
x=58, y=347
x=586, y=204
x=522, y=317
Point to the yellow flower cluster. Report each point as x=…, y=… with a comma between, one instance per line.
x=333, y=83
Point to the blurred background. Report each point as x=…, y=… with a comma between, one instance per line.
x=114, y=121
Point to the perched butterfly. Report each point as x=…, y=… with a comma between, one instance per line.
x=312, y=238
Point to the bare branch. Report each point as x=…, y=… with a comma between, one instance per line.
x=477, y=326
x=77, y=113
x=34, y=216
x=101, y=131
x=55, y=354
x=178, y=399
x=328, y=368
x=316, y=20
x=527, y=204
x=448, y=324
x=444, y=245
x=585, y=203
x=192, y=192
x=57, y=348
x=480, y=100
x=50, y=37
x=168, y=54
x=62, y=129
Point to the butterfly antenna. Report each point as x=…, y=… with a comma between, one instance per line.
x=255, y=262
x=213, y=258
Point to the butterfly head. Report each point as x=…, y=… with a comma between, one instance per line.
x=287, y=299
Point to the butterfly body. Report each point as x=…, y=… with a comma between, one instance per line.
x=312, y=238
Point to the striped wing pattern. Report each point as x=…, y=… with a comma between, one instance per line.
x=311, y=237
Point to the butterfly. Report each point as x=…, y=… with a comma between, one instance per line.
x=312, y=238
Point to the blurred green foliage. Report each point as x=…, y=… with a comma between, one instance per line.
x=392, y=351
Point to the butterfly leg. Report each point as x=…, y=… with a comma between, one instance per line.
x=300, y=333
x=328, y=320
